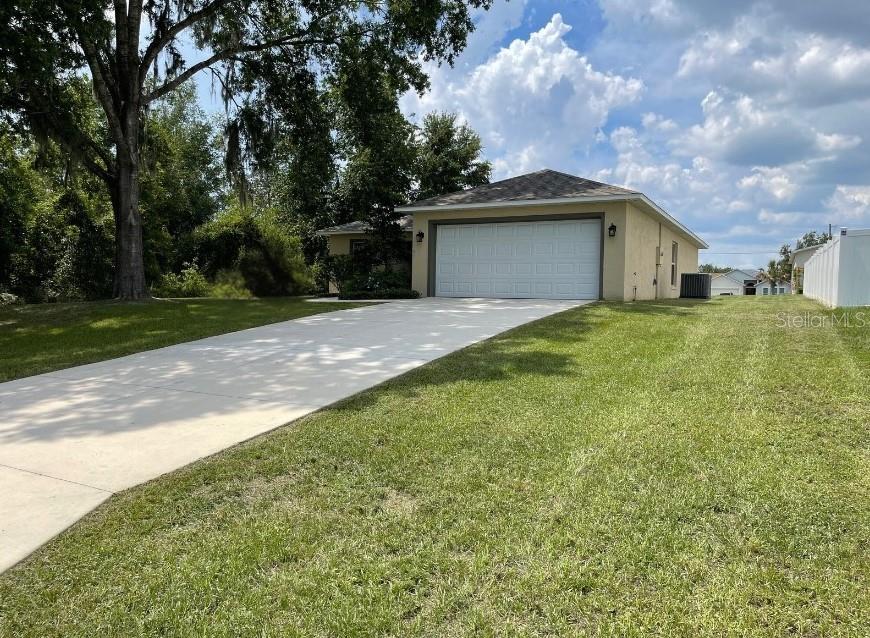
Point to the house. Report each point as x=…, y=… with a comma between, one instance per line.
x=798, y=260
x=838, y=273
x=348, y=238
x=733, y=282
x=543, y=235
x=769, y=288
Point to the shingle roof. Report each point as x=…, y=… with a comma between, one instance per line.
x=543, y=184
x=405, y=223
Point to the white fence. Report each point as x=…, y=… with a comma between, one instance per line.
x=838, y=274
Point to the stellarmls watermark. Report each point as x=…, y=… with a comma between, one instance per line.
x=831, y=319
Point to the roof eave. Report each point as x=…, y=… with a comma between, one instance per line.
x=564, y=200
x=355, y=231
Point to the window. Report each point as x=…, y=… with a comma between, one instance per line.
x=765, y=291
x=782, y=291
x=358, y=245
x=674, y=264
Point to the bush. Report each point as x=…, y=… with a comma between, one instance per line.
x=230, y=284
x=378, y=282
x=386, y=293
x=66, y=253
x=190, y=282
x=258, y=247
x=8, y=299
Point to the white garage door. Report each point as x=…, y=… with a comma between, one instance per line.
x=539, y=260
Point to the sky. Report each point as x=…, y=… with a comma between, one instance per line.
x=746, y=120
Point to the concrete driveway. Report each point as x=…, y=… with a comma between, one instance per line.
x=70, y=439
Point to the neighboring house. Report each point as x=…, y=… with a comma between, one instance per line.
x=798, y=260
x=768, y=288
x=346, y=239
x=838, y=273
x=733, y=282
x=545, y=235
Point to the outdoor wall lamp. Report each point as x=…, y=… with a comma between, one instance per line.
x=611, y=230
x=419, y=237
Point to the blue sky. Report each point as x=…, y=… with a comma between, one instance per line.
x=746, y=120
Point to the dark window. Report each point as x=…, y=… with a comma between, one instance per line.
x=358, y=245
x=674, y=264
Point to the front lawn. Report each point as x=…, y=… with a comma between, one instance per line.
x=44, y=337
x=667, y=468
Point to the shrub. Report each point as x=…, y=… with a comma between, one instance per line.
x=230, y=284
x=378, y=282
x=66, y=253
x=261, y=249
x=385, y=293
x=8, y=299
x=190, y=282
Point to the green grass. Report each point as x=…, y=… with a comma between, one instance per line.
x=44, y=337
x=672, y=468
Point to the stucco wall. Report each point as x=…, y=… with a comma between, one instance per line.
x=614, y=247
x=645, y=237
x=340, y=244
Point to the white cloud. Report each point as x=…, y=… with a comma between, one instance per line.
x=675, y=185
x=850, y=203
x=758, y=55
x=776, y=181
x=656, y=122
x=740, y=130
x=535, y=102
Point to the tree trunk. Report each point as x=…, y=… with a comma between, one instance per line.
x=129, y=262
x=129, y=257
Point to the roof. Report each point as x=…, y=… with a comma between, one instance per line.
x=544, y=184
x=803, y=250
x=406, y=223
x=546, y=187
x=731, y=274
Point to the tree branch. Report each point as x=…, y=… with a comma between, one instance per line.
x=160, y=40
x=177, y=81
x=101, y=89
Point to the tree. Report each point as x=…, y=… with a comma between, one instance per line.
x=448, y=157
x=812, y=238
x=712, y=268
x=46, y=46
x=777, y=271
x=182, y=184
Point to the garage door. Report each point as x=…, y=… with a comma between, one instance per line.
x=540, y=259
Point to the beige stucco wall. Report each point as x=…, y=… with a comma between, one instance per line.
x=629, y=258
x=340, y=244
x=646, y=236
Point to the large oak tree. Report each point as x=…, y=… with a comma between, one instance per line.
x=135, y=52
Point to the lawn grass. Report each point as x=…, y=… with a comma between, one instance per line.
x=44, y=337
x=670, y=468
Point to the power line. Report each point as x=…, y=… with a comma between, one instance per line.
x=757, y=252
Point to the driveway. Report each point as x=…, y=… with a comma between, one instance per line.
x=72, y=438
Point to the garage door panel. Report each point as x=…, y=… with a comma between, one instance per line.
x=546, y=259
x=544, y=268
x=566, y=268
